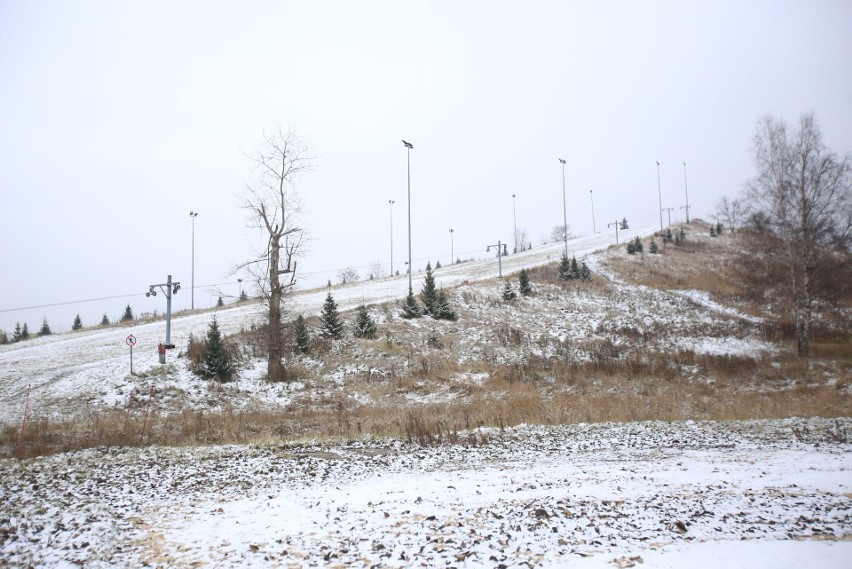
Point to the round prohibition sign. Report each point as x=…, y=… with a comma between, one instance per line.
x=130, y=340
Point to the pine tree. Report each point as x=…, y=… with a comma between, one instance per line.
x=128, y=314
x=565, y=268
x=524, y=283
x=364, y=325
x=77, y=323
x=45, y=329
x=443, y=310
x=637, y=244
x=682, y=235
x=585, y=274
x=668, y=237
x=4, y=339
x=677, y=239
x=16, y=334
x=25, y=332
x=330, y=324
x=712, y=230
x=631, y=248
x=508, y=292
x=575, y=268
x=718, y=228
x=217, y=360
x=437, y=265
x=301, y=336
x=654, y=248
x=624, y=224
x=220, y=302
x=409, y=307
x=243, y=296
x=105, y=320
x=429, y=294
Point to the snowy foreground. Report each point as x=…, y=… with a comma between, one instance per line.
x=746, y=494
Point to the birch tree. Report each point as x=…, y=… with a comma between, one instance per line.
x=272, y=204
x=802, y=197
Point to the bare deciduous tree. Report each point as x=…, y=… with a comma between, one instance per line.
x=559, y=233
x=376, y=269
x=348, y=275
x=273, y=206
x=802, y=196
x=732, y=211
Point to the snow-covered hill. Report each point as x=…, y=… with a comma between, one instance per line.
x=75, y=372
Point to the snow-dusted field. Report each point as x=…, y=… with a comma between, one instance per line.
x=746, y=494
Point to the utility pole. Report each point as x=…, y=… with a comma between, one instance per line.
x=616, y=229
x=592, y=197
x=660, y=195
x=193, y=215
x=515, y=218
x=501, y=250
x=390, y=206
x=685, y=189
x=168, y=288
x=669, y=209
x=564, y=209
x=409, y=147
x=452, y=252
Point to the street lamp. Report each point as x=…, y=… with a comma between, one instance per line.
x=409, y=147
x=193, y=215
x=452, y=254
x=669, y=209
x=501, y=250
x=515, y=218
x=390, y=206
x=685, y=189
x=564, y=210
x=660, y=195
x=240, y=281
x=592, y=197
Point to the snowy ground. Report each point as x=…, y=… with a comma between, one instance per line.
x=747, y=494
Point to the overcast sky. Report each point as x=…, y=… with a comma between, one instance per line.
x=118, y=118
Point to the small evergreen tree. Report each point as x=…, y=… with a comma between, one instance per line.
x=637, y=243
x=624, y=224
x=631, y=247
x=682, y=235
x=654, y=248
x=330, y=324
x=301, y=336
x=4, y=339
x=25, y=332
x=437, y=265
x=585, y=274
x=243, y=295
x=220, y=302
x=524, y=283
x=16, y=333
x=364, y=325
x=443, y=310
x=429, y=294
x=217, y=360
x=410, y=309
x=718, y=228
x=712, y=230
x=45, y=329
x=677, y=239
x=575, y=268
x=105, y=320
x=77, y=323
x=128, y=314
x=668, y=238
x=565, y=268
x=508, y=292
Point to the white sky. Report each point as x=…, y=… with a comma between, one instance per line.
x=118, y=118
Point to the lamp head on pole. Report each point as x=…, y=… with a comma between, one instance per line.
x=193, y=214
x=408, y=144
x=562, y=161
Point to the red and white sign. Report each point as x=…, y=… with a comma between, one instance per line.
x=130, y=340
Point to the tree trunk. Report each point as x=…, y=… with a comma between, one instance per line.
x=274, y=366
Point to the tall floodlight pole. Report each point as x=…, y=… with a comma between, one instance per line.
x=564, y=210
x=515, y=219
x=452, y=252
x=409, y=147
x=193, y=215
x=168, y=288
x=686, y=189
x=660, y=195
x=390, y=206
x=592, y=197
